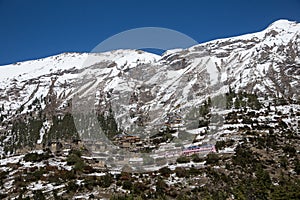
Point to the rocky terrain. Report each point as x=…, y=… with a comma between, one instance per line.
x=219, y=120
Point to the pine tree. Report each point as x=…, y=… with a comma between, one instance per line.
x=108, y=124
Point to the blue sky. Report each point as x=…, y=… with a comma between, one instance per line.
x=33, y=29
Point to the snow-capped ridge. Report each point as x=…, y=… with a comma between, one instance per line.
x=254, y=63
x=282, y=24
x=285, y=26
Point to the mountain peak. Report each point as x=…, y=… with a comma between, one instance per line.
x=282, y=24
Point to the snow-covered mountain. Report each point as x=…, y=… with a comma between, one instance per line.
x=143, y=88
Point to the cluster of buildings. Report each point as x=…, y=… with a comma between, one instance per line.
x=208, y=148
x=128, y=141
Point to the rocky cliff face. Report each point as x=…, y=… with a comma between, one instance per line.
x=219, y=120
x=142, y=88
